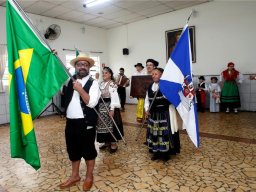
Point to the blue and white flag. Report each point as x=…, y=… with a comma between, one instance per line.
x=177, y=86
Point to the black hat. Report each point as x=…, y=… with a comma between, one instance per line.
x=153, y=61
x=201, y=77
x=139, y=65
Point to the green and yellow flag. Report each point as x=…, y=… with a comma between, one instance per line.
x=35, y=75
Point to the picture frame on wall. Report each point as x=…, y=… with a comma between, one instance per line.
x=172, y=37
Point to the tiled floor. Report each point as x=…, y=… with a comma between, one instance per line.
x=225, y=161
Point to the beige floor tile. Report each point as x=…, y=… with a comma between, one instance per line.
x=225, y=161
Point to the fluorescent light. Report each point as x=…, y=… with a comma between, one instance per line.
x=90, y=3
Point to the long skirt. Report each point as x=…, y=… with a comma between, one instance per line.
x=230, y=95
x=159, y=135
x=201, y=100
x=214, y=106
x=103, y=133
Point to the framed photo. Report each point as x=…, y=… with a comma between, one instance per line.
x=172, y=37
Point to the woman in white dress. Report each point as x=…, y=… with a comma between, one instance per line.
x=214, y=90
x=111, y=100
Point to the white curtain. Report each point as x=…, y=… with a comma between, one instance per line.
x=3, y=60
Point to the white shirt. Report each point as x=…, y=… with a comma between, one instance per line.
x=142, y=72
x=214, y=87
x=112, y=90
x=74, y=110
x=155, y=87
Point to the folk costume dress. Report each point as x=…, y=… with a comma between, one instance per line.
x=110, y=96
x=201, y=96
x=214, y=89
x=162, y=130
x=230, y=97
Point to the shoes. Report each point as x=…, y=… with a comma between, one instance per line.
x=155, y=157
x=69, y=183
x=87, y=185
x=235, y=110
x=165, y=157
x=227, y=111
x=139, y=120
x=104, y=146
x=113, y=148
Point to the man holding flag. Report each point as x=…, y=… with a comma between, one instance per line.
x=35, y=75
x=176, y=84
x=82, y=96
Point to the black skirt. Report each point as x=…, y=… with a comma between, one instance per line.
x=103, y=135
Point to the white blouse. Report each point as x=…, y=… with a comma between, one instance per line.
x=109, y=90
x=214, y=87
x=142, y=72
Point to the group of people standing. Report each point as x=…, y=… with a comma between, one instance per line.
x=92, y=112
x=225, y=93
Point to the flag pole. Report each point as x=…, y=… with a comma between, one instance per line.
x=190, y=16
x=41, y=37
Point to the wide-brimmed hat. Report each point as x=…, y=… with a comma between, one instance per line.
x=82, y=57
x=139, y=65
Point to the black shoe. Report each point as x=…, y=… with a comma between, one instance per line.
x=113, y=149
x=155, y=157
x=165, y=157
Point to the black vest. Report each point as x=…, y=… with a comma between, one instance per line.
x=89, y=114
x=160, y=103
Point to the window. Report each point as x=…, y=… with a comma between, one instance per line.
x=96, y=68
x=3, y=67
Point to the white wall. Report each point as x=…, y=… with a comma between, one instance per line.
x=72, y=35
x=225, y=31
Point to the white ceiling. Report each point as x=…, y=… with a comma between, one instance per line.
x=107, y=15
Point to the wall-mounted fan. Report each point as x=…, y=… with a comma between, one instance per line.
x=52, y=32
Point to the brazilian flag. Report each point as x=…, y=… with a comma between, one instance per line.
x=35, y=76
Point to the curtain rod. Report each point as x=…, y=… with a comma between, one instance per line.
x=81, y=50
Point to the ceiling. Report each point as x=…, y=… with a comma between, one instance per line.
x=107, y=15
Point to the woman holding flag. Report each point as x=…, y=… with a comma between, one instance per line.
x=162, y=130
